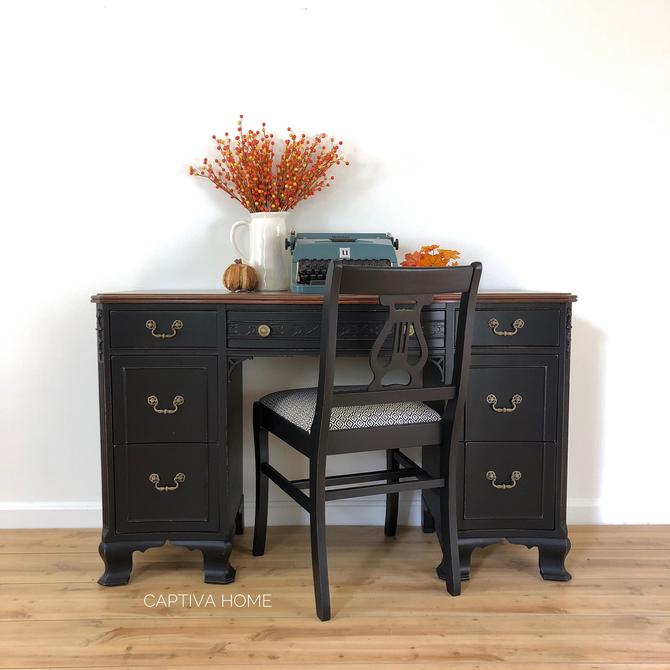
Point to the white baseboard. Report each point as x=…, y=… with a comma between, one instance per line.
x=48, y=514
x=370, y=511
x=588, y=510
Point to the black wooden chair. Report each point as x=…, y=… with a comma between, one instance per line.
x=329, y=420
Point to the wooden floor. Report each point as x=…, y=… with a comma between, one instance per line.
x=389, y=609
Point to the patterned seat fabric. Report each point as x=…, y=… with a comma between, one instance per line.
x=298, y=407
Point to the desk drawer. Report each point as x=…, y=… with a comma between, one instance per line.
x=273, y=330
x=512, y=398
x=511, y=327
x=356, y=330
x=164, y=399
x=165, y=487
x=164, y=329
x=507, y=484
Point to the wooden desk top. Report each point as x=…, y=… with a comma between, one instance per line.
x=288, y=298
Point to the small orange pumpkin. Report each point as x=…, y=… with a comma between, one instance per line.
x=240, y=277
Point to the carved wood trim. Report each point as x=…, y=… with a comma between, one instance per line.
x=233, y=361
x=100, y=332
x=352, y=330
x=568, y=330
x=438, y=362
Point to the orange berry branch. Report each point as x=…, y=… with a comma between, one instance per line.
x=263, y=179
x=431, y=256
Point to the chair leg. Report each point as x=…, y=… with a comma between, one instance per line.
x=427, y=521
x=261, y=449
x=317, y=522
x=391, y=523
x=447, y=531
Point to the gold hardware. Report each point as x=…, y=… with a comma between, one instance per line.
x=155, y=479
x=177, y=402
x=492, y=400
x=264, y=330
x=517, y=325
x=515, y=477
x=176, y=325
x=410, y=330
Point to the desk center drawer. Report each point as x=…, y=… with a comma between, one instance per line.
x=164, y=399
x=301, y=330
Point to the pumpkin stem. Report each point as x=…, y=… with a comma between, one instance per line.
x=238, y=260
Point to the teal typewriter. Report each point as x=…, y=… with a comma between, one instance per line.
x=312, y=252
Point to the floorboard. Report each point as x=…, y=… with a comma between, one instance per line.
x=389, y=609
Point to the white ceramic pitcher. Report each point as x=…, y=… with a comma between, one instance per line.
x=267, y=254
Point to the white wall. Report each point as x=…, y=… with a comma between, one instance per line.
x=531, y=135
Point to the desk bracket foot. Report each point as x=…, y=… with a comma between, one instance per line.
x=215, y=553
x=465, y=549
x=118, y=559
x=552, y=552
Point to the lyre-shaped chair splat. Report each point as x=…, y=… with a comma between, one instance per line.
x=404, y=315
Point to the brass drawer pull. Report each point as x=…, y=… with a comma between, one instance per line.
x=155, y=479
x=517, y=325
x=176, y=325
x=264, y=330
x=515, y=477
x=177, y=402
x=492, y=400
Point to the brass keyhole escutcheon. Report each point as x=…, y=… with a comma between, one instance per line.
x=264, y=330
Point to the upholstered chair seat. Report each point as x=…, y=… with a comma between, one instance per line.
x=298, y=407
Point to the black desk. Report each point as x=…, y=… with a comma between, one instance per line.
x=170, y=367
